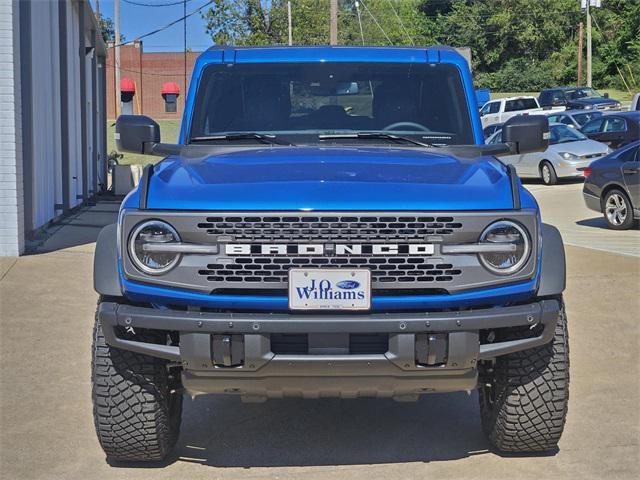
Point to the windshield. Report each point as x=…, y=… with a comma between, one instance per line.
x=564, y=134
x=582, y=93
x=302, y=101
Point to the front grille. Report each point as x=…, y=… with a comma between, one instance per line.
x=261, y=229
x=591, y=155
x=275, y=270
x=266, y=274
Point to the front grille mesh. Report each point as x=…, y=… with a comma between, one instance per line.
x=261, y=229
x=272, y=270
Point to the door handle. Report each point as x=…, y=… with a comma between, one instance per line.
x=630, y=170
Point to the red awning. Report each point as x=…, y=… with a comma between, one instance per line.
x=169, y=88
x=127, y=85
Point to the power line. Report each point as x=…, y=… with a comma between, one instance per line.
x=376, y=22
x=158, y=30
x=401, y=22
x=142, y=4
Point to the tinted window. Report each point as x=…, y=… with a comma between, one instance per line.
x=629, y=155
x=486, y=108
x=494, y=107
x=520, y=104
x=593, y=126
x=497, y=138
x=615, y=124
x=316, y=98
x=583, y=118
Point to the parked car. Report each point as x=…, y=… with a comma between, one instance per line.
x=491, y=129
x=293, y=245
x=616, y=129
x=500, y=110
x=574, y=118
x=612, y=186
x=568, y=152
x=577, y=98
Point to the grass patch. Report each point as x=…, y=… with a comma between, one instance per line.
x=169, y=130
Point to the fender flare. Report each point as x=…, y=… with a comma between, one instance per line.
x=106, y=278
x=553, y=272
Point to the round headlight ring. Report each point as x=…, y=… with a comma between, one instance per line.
x=502, y=224
x=133, y=254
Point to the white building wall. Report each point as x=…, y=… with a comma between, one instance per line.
x=11, y=182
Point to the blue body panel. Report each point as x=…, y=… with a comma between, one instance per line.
x=332, y=178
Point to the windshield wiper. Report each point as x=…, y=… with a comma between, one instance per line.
x=374, y=136
x=261, y=137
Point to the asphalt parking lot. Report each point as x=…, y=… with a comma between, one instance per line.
x=46, y=430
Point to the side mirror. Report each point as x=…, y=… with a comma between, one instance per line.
x=526, y=133
x=606, y=95
x=136, y=134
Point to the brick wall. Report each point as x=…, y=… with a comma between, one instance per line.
x=11, y=183
x=149, y=71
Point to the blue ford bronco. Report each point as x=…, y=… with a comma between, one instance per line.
x=329, y=224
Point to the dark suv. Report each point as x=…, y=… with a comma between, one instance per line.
x=578, y=98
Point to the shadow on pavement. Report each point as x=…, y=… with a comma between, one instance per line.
x=79, y=228
x=595, y=222
x=223, y=432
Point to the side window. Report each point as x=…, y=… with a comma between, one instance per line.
x=485, y=109
x=554, y=118
x=615, y=125
x=494, y=107
x=497, y=138
x=629, y=155
x=593, y=126
x=566, y=120
x=545, y=98
x=558, y=98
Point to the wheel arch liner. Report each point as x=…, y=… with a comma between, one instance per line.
x=106, y=279
x=553, y=274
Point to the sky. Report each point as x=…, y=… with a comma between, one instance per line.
x=137, y=20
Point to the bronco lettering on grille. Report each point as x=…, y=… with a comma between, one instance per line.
x=337, y=249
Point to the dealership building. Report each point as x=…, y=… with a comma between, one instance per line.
x=52, y=115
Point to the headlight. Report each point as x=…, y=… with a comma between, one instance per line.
x=568, y=156
x=508, y=262
x=141, y=247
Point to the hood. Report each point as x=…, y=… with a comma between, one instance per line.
x=592, y=101
x=315, y=178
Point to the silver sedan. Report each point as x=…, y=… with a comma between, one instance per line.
x=568, y=153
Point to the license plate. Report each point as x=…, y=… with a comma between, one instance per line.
x=329, y=289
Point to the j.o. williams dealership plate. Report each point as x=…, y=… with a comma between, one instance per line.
x=329, y=289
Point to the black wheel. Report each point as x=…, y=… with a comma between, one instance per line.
x=548, y=173
x=617, y=210
x=524, y=396
x=136, y=405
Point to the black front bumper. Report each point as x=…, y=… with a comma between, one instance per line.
x=261, y=373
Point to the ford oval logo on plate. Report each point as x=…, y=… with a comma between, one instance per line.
x=348, y=284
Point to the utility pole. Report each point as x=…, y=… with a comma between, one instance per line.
x=116, y=40
x=333, y=31
x=289, y=22
x=588, y=43
x=580, y=34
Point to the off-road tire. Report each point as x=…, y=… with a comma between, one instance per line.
x=552, y=177
x=523, y=402
x=135, y=409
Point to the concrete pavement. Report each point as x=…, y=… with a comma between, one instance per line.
x=46, y=430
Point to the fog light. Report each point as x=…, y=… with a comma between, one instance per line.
x=151, y=233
